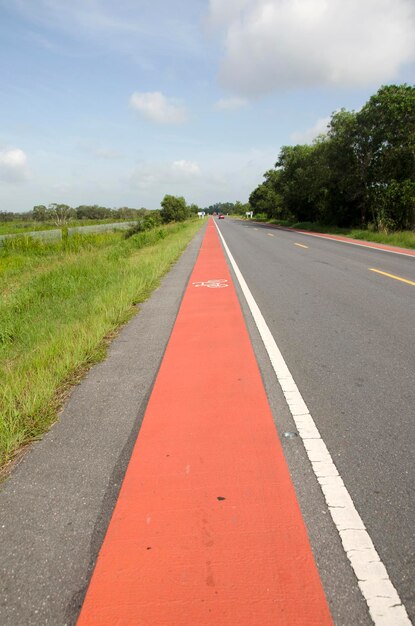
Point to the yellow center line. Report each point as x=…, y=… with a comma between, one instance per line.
x=270, y=234
x=403, y=280
x=300, y=245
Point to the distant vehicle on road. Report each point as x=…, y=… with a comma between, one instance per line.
x=221, y=217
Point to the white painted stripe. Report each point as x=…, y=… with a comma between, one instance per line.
x=361, y=244
x=385, y=606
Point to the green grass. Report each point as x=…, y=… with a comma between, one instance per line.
x=17, y=226
x=60, y=302
x=402, y=239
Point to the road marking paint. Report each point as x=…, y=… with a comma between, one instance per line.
x=363, y=244
x=300, y=245
x=215, y=283
x=385, y=606
x=270, y=235
x=403, y=280
x=207, y=528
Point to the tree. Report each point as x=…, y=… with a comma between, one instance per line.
x=347, y=172
x=94, y=212
x=302, y=180
x=265, y=198
x=362, y=169
x=40, y=213
x=173, y=209
x=240, y=208
x=194, y=209
x=61, y=213
x=9, y=216
x=386, y=126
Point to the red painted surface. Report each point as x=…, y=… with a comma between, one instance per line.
x=207, y=529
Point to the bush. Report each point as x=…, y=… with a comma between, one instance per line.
x=174, y=209
x=150, y=221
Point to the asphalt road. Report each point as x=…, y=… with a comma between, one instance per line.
x=347, y=335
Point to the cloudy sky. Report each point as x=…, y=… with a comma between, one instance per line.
x=117, y=102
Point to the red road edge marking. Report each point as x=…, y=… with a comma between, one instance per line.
x=207, y=529
x=357, y=242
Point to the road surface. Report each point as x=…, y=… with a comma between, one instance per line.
x=343, y=317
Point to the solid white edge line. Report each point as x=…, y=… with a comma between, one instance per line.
x=385, y=606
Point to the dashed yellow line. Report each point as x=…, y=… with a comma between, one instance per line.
x=270, y=235
x=300, y=245
x=403, y=280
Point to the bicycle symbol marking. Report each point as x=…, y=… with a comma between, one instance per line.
x=216, y=283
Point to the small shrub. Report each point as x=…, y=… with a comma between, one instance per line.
x=148, y=222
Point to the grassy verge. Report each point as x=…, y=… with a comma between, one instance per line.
x=402, y=239
x=61, y=301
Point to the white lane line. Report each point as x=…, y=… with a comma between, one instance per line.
x=385, y=606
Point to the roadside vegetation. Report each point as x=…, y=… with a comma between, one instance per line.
x=57, y=215
x=61, y=301
x=359, y=176
x=19, y=227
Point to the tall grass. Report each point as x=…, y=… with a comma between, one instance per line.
x=59, y=303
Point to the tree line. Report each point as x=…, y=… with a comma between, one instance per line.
x=173, y=208
x=62, y=213
x=229, y=208
x=360, y=173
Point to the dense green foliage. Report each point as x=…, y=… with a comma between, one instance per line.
x=175, y=209
x=148, y=222
x=58, y=214
x=361, y=172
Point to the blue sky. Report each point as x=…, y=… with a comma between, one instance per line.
x=120, y=102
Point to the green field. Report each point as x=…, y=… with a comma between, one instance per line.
x=20, y=227
x=60, y=303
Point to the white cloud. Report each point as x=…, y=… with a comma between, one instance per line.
x=223, y=13
x=152, y=174
x=223, y=176
x=158, y=108
x=230, y=104
x=13, y=165
x=280, y=44
x=189, y=168
x=307, y=136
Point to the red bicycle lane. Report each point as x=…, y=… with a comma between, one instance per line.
x=207, y=528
